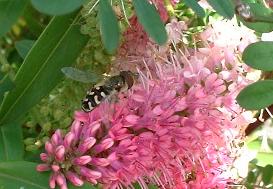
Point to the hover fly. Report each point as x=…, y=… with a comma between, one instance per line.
x=113, y=85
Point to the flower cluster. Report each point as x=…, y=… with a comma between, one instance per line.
x=71, y=156
x=178, y=127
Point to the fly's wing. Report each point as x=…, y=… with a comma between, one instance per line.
x=81, y=76
x=107, y=109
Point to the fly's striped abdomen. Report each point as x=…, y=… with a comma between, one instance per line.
x=94, y=97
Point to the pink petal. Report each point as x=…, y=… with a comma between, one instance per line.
x=210, y=79
x=86, y=144
x=105, y=144
x=59, y=153
x=132, y=119
x=94, y=129
x=42, y=167
x=74, y=178
x=76, y=129
x=138, y=98
x=82, y=160
x=49, y=147
x=89, y=173
x=91, y=180
x=64, y=186
x=55, y=168
x=69, y=137
x=81, y=116
x=60, y=179
x=158, y=110
x=100, y=162
x=56, y=138
x=52, y=181
x=44, y=157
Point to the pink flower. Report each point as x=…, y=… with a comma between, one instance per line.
x=228, y=34
x=175, y=29
x=175, y=128
x=65, y=157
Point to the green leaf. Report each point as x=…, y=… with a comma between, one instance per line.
x=257, y=95
x=259, y=12
x=57, y=47
x=150, y=20
x=267, y=174
x=33, y=156
x=251, y=177
x=150, y=186
x=78, y=75
x=195, y=7
x=23, y=174
x=259, y=55
x=264, y=159
x=254, y=145
x=59, y=7
x=10, y=10
x=108, y=26
x=23, y=47
x=223, y=7
x=11, y=142
x=5, y=85
x=33, y=22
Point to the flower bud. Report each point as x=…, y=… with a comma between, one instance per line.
x=82, y=160
x=44, y=157
x=89, y=173
x=42, y=167
x=69, y=137
x=74, y=178
x=86, y=144
x=59, y=153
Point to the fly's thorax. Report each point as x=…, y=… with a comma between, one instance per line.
x=115, y=83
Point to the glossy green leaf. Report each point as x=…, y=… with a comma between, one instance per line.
x=267, y=174
x=223, y=7
x=59, y=7
x=257, y=95
x=108, y=26
x=23, y=47
x=259, y=55
x=11, y=142
x=259, y=12
x=81, y=76
x=10, y=10
x=193, y=4
x=57, y=47
x=264, y=159
x=23, y=174
x=254, y=145
x=150, y=20
x=5, y=85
